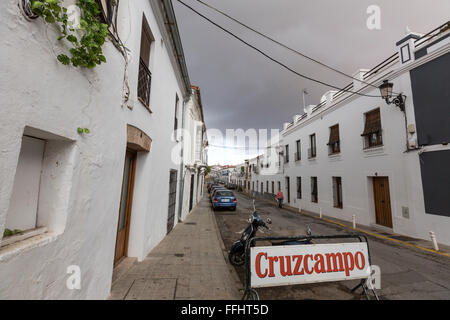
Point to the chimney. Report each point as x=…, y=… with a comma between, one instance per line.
x=406, y=47
x=359, y=75
x=308, y=109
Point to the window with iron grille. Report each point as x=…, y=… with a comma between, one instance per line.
x=298, y=154
x=299, y=187
x=314, y=191
x=337, y=192
x=312, y=152
x=372, y=129
x=145, y=76
x=175, y=125
x=334, y=144
x=286, y=155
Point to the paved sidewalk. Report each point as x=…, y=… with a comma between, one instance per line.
x=189, y=263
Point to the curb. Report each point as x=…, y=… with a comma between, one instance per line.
x=444, y=254
x=232, y=271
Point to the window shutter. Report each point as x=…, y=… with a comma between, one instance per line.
x=334, y=134
x=373, y=122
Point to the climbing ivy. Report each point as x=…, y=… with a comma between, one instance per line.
x=86, y=41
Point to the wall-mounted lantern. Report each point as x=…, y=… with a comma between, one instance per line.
x=386, y=94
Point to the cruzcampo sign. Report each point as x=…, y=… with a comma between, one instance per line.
x=298, y=264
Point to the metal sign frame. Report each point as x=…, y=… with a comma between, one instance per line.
x=251, y=294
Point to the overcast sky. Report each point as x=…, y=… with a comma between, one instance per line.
x=242, y=89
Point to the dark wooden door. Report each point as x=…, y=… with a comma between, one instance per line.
x=382, y=201
x=172, y=200
x=126, y=200
x=288, y=189
x=191, y=193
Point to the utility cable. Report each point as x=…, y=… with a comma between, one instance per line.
x=283, y=45
x=273, y=59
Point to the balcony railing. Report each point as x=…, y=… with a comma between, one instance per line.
x=144, y=82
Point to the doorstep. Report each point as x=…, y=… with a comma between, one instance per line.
x=122, y=267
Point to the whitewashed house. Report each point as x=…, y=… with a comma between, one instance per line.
x=194, y=162
x=387, y=164
x=75, y=200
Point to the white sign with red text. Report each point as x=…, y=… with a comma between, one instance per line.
x=298, y=264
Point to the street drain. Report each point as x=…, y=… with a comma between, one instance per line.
x=191, y=223
x=179, y=255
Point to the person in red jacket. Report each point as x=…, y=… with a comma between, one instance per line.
x=279, y=198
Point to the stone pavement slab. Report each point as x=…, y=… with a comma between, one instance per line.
x=189, y=263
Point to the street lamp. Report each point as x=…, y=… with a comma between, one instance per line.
x=386, y=94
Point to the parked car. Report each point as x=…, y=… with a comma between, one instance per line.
x=210, y=188
x=213, y=191
x=224, y=199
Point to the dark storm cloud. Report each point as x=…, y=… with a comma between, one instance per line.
x=242, y=89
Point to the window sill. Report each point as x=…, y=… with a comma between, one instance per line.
x=374, y=148
x=374, y=151
x=17, y=244
x=145, y=105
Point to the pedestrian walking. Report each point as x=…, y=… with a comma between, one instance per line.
x=280, y=198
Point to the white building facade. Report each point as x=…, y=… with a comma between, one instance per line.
x=195, y=143
x=75, y=200
x=353, y=154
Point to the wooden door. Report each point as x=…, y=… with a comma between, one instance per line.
x=191, y=193
x=382, y=201
x=288, y=190
x=126, y=200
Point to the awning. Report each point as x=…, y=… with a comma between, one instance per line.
x=373, y=122
x=334, y=134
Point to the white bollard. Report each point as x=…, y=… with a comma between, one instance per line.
x=433, y=239
x=354, y=221
x=320, y=213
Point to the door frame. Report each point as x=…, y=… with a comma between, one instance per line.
x=129, y=204
x=288, y=188
x=383, y=219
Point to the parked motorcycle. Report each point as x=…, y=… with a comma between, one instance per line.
x=237, y=251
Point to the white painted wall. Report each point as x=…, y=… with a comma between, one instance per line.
x=356, y=166
x=82, y=184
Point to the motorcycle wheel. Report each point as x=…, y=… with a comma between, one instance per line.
x=236, y=259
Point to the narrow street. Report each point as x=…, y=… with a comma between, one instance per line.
x=405, y=273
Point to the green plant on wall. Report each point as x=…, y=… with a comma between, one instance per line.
x=8, y=232
x=86, y=39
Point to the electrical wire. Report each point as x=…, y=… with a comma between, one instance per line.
x=273, y=59
x=283, y=45
x=234, y=147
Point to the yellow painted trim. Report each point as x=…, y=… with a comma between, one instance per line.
x=369, y=233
